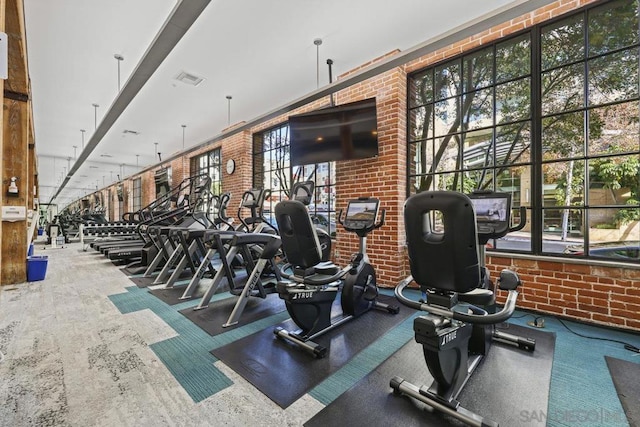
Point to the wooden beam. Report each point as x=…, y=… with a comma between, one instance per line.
x=16, y=145
x=16, y=95
x=3, y=7
x=18, y=81
x=15, y=164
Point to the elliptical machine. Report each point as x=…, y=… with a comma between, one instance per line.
x=446, y=232
x=313, y=285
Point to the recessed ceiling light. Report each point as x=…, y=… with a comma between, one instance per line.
x=190, y=79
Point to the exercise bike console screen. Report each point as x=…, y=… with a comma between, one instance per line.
x=492, y=212
x=361, y=214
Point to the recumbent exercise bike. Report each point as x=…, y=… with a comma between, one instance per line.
x=446, y=233
x=313, y=285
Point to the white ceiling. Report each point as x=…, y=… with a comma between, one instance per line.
x=259, y=52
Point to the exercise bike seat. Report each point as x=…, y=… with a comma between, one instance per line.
x=478, y=296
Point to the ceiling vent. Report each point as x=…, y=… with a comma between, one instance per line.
x=131, y=132
x=106, y=155
x=189, y=79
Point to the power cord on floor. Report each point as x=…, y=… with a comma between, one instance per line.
x=627, y=346
x=538, y=322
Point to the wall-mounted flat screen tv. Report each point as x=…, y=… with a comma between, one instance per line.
x=344, y=132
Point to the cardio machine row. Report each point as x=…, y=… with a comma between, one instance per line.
x=259, y=246
x=446, y=236
x=447, y=233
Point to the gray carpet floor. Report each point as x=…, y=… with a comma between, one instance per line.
x=81, y=348
x=72, y=359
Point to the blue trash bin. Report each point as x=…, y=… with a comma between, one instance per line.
x=40, y=231
x=30, y=251
x=37, y=267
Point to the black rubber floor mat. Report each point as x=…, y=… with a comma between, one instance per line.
x=509, y=384
x=212, y=318
x=172, y=296
x=626, y=378
x=285, y=373
x=143, y=282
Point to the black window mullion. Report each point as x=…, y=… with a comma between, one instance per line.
x=536, y=191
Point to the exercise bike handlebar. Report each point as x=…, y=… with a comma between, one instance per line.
x=486, y=319
x=521, y=223
x=383, y=215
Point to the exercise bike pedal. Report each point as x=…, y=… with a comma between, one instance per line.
x=527, y=344
x=395, y=385
x=316, y=350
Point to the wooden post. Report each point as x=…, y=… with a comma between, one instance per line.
x=15, y=164
x=17, y=158
x=3, y=7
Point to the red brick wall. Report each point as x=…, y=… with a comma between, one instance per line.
x=148, y=187
x=383, y=177
x=239, y=149
x=601, y=294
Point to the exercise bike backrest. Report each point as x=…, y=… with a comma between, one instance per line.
x=298, y=234
x=441, y=240
x=443, y=250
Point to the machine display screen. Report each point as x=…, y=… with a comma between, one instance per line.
x=491, y=209
x=362, y=211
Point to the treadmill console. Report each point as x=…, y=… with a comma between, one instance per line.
x=361, y=214
x=493, y=211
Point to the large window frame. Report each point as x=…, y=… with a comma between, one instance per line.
x=547, y=115
x=211, y=164
x=137, y=194
x=272, y=170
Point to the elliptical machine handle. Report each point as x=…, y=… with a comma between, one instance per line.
x=522, y=222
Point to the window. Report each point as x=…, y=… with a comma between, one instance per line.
x=137, y=194
x=272, y=170
x=209, y=163
x=120, y=195
x=561, y=133
x=163, y=178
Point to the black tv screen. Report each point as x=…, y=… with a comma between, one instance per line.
x=345, y=132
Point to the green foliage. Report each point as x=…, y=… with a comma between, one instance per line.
x=625, y=216
x=617, y=172
x=462, y=94
x=606, y=226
